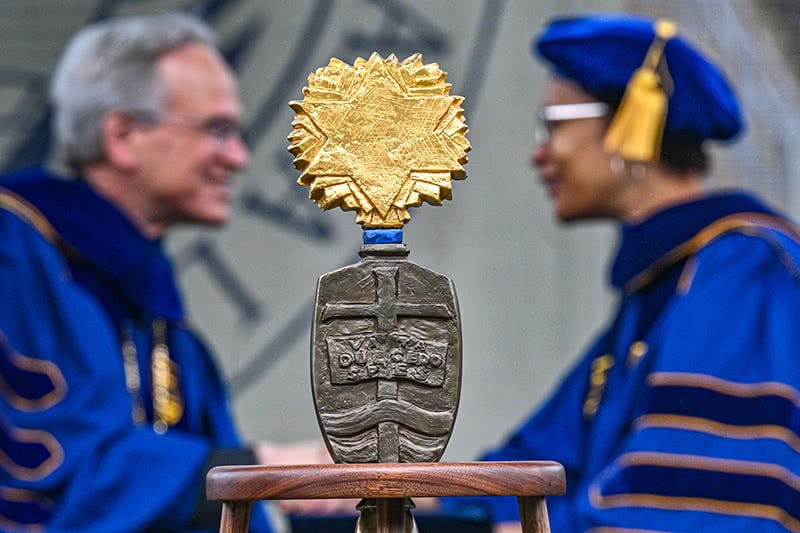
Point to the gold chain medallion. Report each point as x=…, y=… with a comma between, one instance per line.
x=378, y=137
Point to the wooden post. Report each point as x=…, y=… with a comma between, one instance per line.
x=533, y=512
x=235, y=516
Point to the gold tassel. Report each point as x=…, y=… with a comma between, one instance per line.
x=637, y=128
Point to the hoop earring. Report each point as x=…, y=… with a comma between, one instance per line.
x=617, y=165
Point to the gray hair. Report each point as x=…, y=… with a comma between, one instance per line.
x=111, y=65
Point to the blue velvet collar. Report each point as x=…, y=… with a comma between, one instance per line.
x=643, y=244
x=129, y=273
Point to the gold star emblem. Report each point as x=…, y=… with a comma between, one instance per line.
x=378, y=137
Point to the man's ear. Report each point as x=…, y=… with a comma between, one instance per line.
x=118, y=138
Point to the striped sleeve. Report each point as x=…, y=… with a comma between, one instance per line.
x=715, y=442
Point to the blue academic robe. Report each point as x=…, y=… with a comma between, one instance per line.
x=78, y=446
x=684, y=415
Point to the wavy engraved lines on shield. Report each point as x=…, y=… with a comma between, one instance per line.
x=359, y=448
x=28, y=454
x=414, y=447
x=360, y=418
x=423, y=434
x=23, y=510
x=418, y=448
x=29, y=384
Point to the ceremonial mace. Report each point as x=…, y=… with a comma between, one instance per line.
x=376, y=138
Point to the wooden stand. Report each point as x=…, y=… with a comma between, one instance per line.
x=530, y=481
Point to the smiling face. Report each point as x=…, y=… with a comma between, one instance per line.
x=186, y=160
x=573, y=164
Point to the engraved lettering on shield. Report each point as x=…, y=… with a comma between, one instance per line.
x=395, y=356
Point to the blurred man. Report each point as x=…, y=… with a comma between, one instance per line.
x=112, y=409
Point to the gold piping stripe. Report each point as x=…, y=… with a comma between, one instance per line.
x=731, y=388
x=43, y=470
x=24, y=210
x=38, y=366
x=712, y=464
x=687, y=276
x=25, y=496
x=712, y=427
x=10, y=525
x=676, y=503
x=737, y=222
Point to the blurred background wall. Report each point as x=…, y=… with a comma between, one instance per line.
x=531, y=293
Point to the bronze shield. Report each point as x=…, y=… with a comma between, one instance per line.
x=386, y=359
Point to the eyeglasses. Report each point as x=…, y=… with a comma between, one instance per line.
x=549, y=115
x=221, y=130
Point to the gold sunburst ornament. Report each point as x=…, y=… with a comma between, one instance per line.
x=378, y=137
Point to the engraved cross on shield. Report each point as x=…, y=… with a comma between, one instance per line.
x=386, y=359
